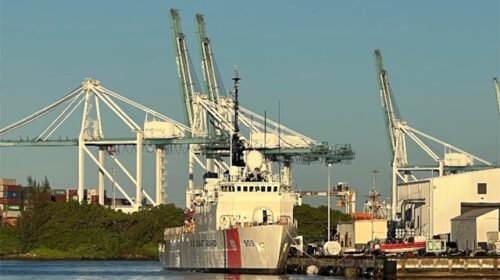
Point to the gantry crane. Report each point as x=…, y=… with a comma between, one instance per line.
x=453, y=160
x=94, y=98
x=212, y=109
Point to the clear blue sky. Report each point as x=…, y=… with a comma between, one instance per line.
x=313, y=57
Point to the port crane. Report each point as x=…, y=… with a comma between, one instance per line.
x=156, y=134
x=346, y=197
x=213, y=114
x=453, y=160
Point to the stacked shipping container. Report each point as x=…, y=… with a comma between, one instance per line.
x=72, y=195
x=59, y=195
x=10, y=200
x=15, y=198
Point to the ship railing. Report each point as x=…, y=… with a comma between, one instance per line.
x=175, y=231
x=232, y=178
x=227, y=222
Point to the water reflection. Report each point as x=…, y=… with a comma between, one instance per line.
x=242, y=277
x=107, y=270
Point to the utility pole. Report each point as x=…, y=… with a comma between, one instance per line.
x=374, y=198
x=328, y=190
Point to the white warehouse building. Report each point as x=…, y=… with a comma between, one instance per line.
x=470, y=230
x=429, y=205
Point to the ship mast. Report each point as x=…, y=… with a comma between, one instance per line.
x=237, y=146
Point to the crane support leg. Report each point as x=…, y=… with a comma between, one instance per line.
x=160, y=174
x=81, y=168
x=191, y=167
x=394, y=191
x=138, y=174
x=101, y=176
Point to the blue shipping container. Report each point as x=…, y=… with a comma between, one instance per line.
x=12, y=194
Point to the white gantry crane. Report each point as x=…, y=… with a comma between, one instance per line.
x=452, y=160
x=158, y=131
x=211, y=113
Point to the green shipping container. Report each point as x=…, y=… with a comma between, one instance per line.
x=12, y=207
x=59, y=192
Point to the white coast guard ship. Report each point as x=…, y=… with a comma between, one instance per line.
x=241, y=222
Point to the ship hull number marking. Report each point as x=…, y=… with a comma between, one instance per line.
x=248, y=243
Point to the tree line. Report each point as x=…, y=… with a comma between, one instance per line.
x=91, y=231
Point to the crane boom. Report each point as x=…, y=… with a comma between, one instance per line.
x=392, y=115
x=207, y=63
x=211, y=77
x=185, y=73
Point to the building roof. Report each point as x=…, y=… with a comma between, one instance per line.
x=473, y=214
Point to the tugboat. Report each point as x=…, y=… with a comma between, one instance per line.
x=240, y=221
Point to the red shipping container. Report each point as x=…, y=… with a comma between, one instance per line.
x=10, y=221
x=12, y=188
x=45, y=197
x=11, y=201
x=58, y=198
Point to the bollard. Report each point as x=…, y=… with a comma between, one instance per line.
x=312, y=270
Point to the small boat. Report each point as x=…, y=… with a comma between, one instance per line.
x=412, y=244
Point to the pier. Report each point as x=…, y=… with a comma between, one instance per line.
x=395, y=267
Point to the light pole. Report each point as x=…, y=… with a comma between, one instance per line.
x=328, y=195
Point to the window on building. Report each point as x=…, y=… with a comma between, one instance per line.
x=481, y=188
x=245, y=188
x=275, y=189
x=238, y=189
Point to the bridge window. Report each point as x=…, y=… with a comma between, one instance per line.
x=238, y=189
x=245, y=188
x=262, y=189
x=481, y=188
x=269, y=189
x=275, y=189
x=251, y=189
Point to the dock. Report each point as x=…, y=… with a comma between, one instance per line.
x=396, y=267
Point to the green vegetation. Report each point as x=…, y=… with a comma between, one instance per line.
x=88, y=231
x=313, y=222
x=91, y=231
x=85, y=231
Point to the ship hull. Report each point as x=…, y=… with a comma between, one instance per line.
x=255, y=250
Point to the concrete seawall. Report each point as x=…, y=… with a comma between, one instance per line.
x=396, y=267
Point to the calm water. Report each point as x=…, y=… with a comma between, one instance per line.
x=87, y=270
